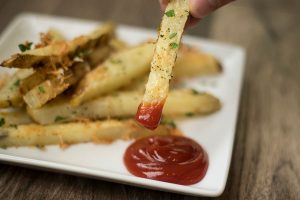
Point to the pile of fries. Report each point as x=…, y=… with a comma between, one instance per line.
x=88, y=90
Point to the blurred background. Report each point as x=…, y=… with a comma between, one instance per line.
x=266, y=161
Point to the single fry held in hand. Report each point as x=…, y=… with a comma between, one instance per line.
x=88, y=89
x=172, y=26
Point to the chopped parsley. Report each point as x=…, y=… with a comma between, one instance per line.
x=173, y=45
x=115, y=61
x=162, y=35
x=17, y=83
x=189, y=114
x=25, y=47
x=195, y=91
x=169, y=122
x=170, y=13
x=59, y=118
x=13, y=126
x=41, y=89
x=40, y=146
x=172, y=35
x=81, y=53
x=2, y=121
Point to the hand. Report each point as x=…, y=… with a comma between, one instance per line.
x=199, y=8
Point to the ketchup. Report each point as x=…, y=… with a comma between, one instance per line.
x=149, y=115
x=173, y=159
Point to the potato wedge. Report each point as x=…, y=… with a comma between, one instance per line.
x=33, y=80
x=116, y=72
x=50, y=88
x=61, y=53
x=118, y=44
x=10, y=94
x=124, y=104
x=4, y=77
x=72, y=133
x=26, y=79
x=172, y=26
x=98, y=55
x=192, y=62
x=13, y=118
x=50, y=37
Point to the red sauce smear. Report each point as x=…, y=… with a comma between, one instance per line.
x=173, y=159
x=149, y=115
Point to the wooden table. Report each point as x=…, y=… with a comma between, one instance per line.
x=265, y=162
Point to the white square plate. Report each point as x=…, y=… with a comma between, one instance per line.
x=214, y=132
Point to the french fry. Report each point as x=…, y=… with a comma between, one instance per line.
x=50, y=37
x=4, y=77
x=118, y=44
x=60, y=53
x=116, y=72
x=13, y=118
x=172, y=26
x=99, y=55
x=26, y=79
x=192, y=62
x=189, y=63
x=39, y=76
x=10, y=94
x=72, y=133
x=50, y=88
x=137, y=84
x=124, y=104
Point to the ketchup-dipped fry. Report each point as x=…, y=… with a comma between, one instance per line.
x=172, y=26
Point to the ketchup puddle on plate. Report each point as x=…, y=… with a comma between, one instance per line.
x=173, y=159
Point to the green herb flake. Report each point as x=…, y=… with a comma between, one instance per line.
x=13, y=126
x=115, y=61
x=17, y=83
x=41, y=147
x=170, y=13
x=169, y=122
x=114, y=94
x=162, y=35
x=172, y=35
x=81, y=53
x=59, y=118
x=25, y=47
x=2, y=121
x=195, y=91
x=173, y=45
x=189, y=114
x=41, y=89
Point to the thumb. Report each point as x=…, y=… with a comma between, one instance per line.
x=201, y=8
x=163, y=4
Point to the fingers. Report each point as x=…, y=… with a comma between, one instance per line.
x=163, y=4
x=201, y=8
x=191, y=22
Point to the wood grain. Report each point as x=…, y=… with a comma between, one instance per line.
x=265, y=162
